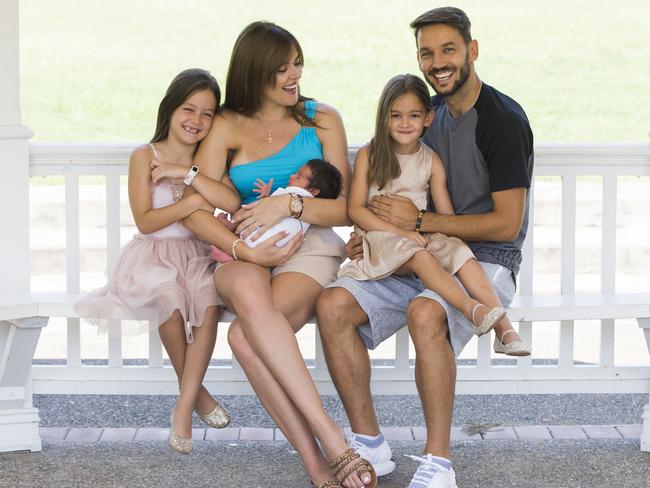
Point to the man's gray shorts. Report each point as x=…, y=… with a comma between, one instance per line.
x=385, y=301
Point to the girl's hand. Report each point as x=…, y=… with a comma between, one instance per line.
x=167, y=170
x=268, y=254
x=354, y=247
x=416, y=237
x=264, y=189
x=260, y=216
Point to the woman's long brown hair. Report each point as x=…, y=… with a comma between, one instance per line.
x=382, y=159
x=259, y=51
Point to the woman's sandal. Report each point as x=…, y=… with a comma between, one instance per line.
x=330, y=484
x=514, y=348
x=490, y=319
x=350, y=461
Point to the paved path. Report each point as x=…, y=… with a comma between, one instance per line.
x=469, y=433
x=225, y=464
x=522, y=441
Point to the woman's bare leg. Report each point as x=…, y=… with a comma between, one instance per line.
x=273, y=361
x=478, y=285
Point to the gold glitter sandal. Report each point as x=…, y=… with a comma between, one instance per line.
x=218, y=418
x=176, y=442
x=350, y=462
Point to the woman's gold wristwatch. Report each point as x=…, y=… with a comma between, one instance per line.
x=295, y=205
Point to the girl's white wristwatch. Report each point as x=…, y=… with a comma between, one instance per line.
x=191, y=174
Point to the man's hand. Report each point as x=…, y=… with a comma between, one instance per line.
x=395, y=209
x=354, y=247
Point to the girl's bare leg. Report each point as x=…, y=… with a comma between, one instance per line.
x=275, y=365
x=478, y=285
x=434, y=276
x=172, y=335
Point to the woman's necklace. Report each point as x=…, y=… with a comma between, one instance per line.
x=269, y=136
x=267, y=133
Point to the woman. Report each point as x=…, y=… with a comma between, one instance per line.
x=267, y=129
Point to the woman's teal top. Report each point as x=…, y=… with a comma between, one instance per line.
x=281, y=165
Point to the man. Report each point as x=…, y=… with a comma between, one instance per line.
x=486, y=143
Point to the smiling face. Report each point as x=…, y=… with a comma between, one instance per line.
x=406, y=122
x=283, y=90
x=192, y=120
x=445, y=59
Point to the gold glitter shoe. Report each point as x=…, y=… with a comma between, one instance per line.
x=176, y=442
x=218, y=418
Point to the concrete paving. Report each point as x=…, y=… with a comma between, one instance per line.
x=224, y=464
x=531, y=441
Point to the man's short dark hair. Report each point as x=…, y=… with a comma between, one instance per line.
x=451, y=16
x=325, y=177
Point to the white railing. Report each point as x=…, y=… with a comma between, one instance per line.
x=482, y=376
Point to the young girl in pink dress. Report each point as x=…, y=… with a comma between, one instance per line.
x=397, y=163
x=166, y=268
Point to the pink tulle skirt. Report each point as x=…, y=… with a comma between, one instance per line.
x=159, y=275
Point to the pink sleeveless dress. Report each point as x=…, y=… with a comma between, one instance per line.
x=384, y=252
x=170, y=269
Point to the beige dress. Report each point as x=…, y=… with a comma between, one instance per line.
x=384, y=252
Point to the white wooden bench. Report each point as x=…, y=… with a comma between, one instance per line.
x=23, y=316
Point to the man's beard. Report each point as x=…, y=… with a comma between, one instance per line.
x=463, y=76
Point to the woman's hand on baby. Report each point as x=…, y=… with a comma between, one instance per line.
x=264, y=189
x=259, y=216
x=267, y=254
x=167, y=170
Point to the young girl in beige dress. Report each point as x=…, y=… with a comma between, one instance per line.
x=397, y=163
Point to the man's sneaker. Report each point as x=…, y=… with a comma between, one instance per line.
x=377, y=452
x=431, y=474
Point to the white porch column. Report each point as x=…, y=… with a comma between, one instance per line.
x=18, y=419
x=14, y=160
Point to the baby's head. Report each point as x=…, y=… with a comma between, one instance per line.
x=318, y=177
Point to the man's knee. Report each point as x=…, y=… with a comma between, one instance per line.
x=427, y=320
x=337, y=310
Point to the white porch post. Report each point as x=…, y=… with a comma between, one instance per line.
x=18, y=335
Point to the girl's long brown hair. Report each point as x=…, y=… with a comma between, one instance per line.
x=183, y=86
x=382, y=159
x=259, y=51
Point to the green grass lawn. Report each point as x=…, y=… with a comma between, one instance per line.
x=95, y=70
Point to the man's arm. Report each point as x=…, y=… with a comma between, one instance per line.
x=502, y=224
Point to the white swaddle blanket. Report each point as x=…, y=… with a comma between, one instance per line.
x=291, y=225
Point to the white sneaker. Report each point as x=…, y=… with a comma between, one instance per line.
x=379, y=457
x=432, y=475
